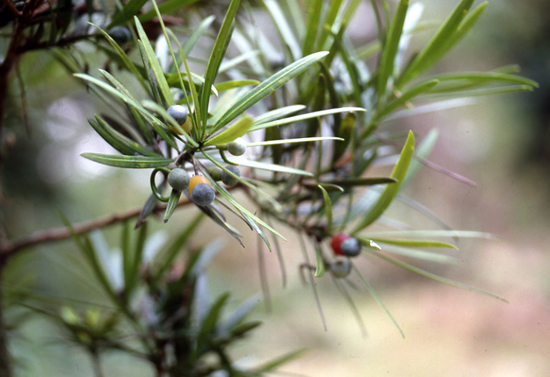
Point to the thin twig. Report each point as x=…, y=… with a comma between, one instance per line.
x=8, y=249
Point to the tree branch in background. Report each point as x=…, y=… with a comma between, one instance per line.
x=8, y=249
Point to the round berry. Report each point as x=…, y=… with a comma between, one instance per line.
x=237, y=147
x=351, y=247
x=178, y=179
x=215, y=172
x=340, y=268
x=203, y=194
x=120, y=34
x=228, y=179
x=179, y=113
x=336, y=242
x=197, y=180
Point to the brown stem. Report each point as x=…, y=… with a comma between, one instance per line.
x=8, y=249
x=12, y=52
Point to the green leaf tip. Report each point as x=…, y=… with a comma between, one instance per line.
x=399, y=172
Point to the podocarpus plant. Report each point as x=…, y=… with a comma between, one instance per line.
x=295, y=125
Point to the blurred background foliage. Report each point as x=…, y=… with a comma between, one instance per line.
x=501, y=142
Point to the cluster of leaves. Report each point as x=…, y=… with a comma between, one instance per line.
x=160, y=308
x=316, y=137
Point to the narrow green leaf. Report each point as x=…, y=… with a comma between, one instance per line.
x=154, y=64
x=478, y=92
x=369, y=50
x=172, y=204
x=344, y=292
x=166, y=257
x=481, y=78
x=467, y=23
x=226, y=102
x=414, y=243
x=120, y=142
x=256, y=228
x=435, y=277
x=241, y=127
x=216, y=57
x=298, y=118
x=125, y=14
x=318, y=102
x=320, y=263
x=238, y=315
x=127, y=257
x=86, y=246
x=328, y=22
x=431, y=233
x=154, y=122
x=269, y=86
x=376, y=298
x=287, y=35
x=123, y=56
x=362, y=181
x=192, y=40
x=136, y=162
x=315, y=8
x=399, y=172
x=232, y=63
x=327, y=186
x=273, y=167
x=345, y=131
x=277, y=114
x=328, y=208
x=227, y=195
x=436, y=47
x=195, y=115
x=114, y=142
x=407, y=96
x=343, y=46
x=334, y=99
x=165, y=8
x=136, y=260
x=271, y=365
x=211, y=320
x=288, y=141
x=148, y=208
x=117, y=84
x=427, y=256
x=391, y=45
x=422, y=152
x=227, y=85
x=218, y=218
x=350, y=11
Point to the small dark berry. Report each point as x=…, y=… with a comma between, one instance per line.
x=215, y=172
x=203, y=194
x=228, y=179
x=179, y=113
x=178, y=179
x=120, y=34
x=351, y=247
x=340, y=268
x=236, y=147
x=336, y=242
